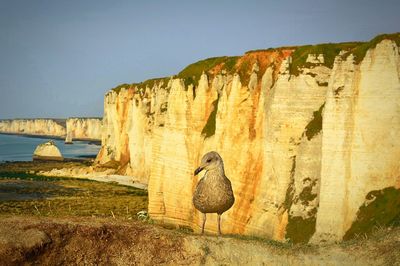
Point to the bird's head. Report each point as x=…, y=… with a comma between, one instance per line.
x=210, y=161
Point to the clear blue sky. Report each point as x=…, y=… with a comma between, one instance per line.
x=58, y=58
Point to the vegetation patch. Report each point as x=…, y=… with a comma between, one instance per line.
x=315, y=125
x=253, y=238
x=142, y=85
x=325, y=84
x=306, y=194
x=300, y=230
x=151, y=82
x=245, y=71
x=35, y=166
x=290, y=190
x=25, y=192
x=119, y=87
x=112, y=164
x=360, y=50
x=230, y=63
x=271, y=49
x=338, y=91
x=164, y=107
x=329, y=50
x=209, y=128
x=191, y=74
x=382, y=208
x=31, y=194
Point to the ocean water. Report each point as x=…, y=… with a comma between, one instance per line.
x=21, y=148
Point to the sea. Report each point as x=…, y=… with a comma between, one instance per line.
x=21, y=148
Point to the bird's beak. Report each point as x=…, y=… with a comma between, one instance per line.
x=198, y=170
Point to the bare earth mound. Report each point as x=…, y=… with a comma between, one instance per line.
x=50, y=241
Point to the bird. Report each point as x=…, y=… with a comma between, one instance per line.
x=213, y=192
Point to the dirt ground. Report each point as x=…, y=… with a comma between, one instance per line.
x=30, y=240
x=81, y=224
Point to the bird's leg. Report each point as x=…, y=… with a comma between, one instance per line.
x=219, y=224
x=204, y=223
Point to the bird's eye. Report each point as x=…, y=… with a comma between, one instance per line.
x=209, y=160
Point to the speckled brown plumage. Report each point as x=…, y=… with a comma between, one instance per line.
x=214, y=191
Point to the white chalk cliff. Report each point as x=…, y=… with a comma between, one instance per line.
x=83, y=129
x=312, y=149
x=41, y=127
x=70, y=129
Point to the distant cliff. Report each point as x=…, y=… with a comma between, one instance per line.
x=310, y=138
x=83, y=129
x=40, y=127
x=71, y=128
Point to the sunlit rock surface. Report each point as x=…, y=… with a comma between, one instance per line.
x=47, y=151
x=70, y=129
x=304, y=150
x=42, y=127
x=83, y=129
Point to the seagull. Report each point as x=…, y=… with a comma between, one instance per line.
x=214, y=191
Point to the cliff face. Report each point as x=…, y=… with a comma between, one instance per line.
x=310, y=142
x=83, y=129
x=72, y=128
x=41, y=127
x=360, y=163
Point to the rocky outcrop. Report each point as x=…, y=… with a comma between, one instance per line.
x=83, y=129
x=310, y=143
x=47, y=151
x=40, y=127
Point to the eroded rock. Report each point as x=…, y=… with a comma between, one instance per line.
x=47, y=151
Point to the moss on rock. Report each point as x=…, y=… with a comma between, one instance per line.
x=290, y=190
x=329, y=50
x=360, y=50
x=382, y=207
x=191, y=74
x=119, y=87
x=315, y=125
x=300, y=230
x=306, y=195
x=209, y=128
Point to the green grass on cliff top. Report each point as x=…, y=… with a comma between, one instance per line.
x=191, y=74
x=331, y=50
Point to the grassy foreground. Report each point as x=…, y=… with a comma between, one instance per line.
x=67, y=221
x=24, y=192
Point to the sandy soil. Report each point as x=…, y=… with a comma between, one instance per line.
x=66, y=240
x=96, y=241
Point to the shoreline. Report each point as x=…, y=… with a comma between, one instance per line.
x=37, y=136
x=70, y=168
x=119, y=179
